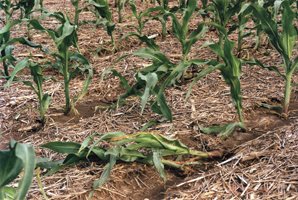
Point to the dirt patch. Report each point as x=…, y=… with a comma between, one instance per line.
x=83, y=110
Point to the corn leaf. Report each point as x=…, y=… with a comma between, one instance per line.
x=63, y=147
x=26, y=154
x=158, y=164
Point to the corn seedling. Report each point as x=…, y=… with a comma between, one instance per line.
x=104, y=16
x=120, y=4
x=19, y=157
x=116, y=147
x=6, y=42
x=36, y=85
x=230, y=70
x=222, y=12
x=162, y=73
x=283, y=41
x=65, y=36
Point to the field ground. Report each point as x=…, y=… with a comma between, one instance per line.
x=261, y=163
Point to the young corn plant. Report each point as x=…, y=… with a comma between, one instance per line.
x=230, y=69
x=120, y=4
x=104, y=16
x=19, y=157
x=6, y=42
x=65, y=37
x=110, y=148
x=38, y=79
x=141, y=24
x=283, y=41
x=154, y=79
x=223, y=12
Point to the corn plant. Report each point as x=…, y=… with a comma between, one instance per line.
x=110, y=148
x=120, y=6
x=230, y=69
x=6, y=42
x=19, y=157
x=142, y=18
x=75, y=3
x=65, y=36
x=283, y=41
x=104, y=15
x=162, y=73
x=222, y=12
x=36, y=85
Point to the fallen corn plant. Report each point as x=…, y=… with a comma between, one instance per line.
x=36, y=85
x=19, y=157
x=69, y=63
x=283, y=41
x=110, y=148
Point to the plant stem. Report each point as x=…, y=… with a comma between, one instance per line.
x=5, y=66
x=239, y=111
x=287, y=96
x=66, y=83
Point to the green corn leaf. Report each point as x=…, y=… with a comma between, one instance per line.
x=270, y=27
x=8, y=26
x=8, y=193
x=19, y=67
x=46, y=163
x=223, y=131
x=100, y=153
x=151, y=80
x=158, y=164
x=102, y=7
x=154, y=55
x=163, y=106
x=149, y=42
x=270, y=68
x=192, y=5
x=63, y=147
x=194, y=37
x=123, y=82
x=128, y=155
x=45, y=102
x=9, y=169
x=26, y=154
x=113, y=153
x=289, y=34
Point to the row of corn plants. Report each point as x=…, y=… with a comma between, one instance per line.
x=276, y=19
x=69, y=61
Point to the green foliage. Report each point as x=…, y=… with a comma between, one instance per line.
x=104, y=15
x=65, y=36
x=37, y=76
x=6, y=49
x=19, y=157
x=154, y=79
x=283, y=40
x=141, y=147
